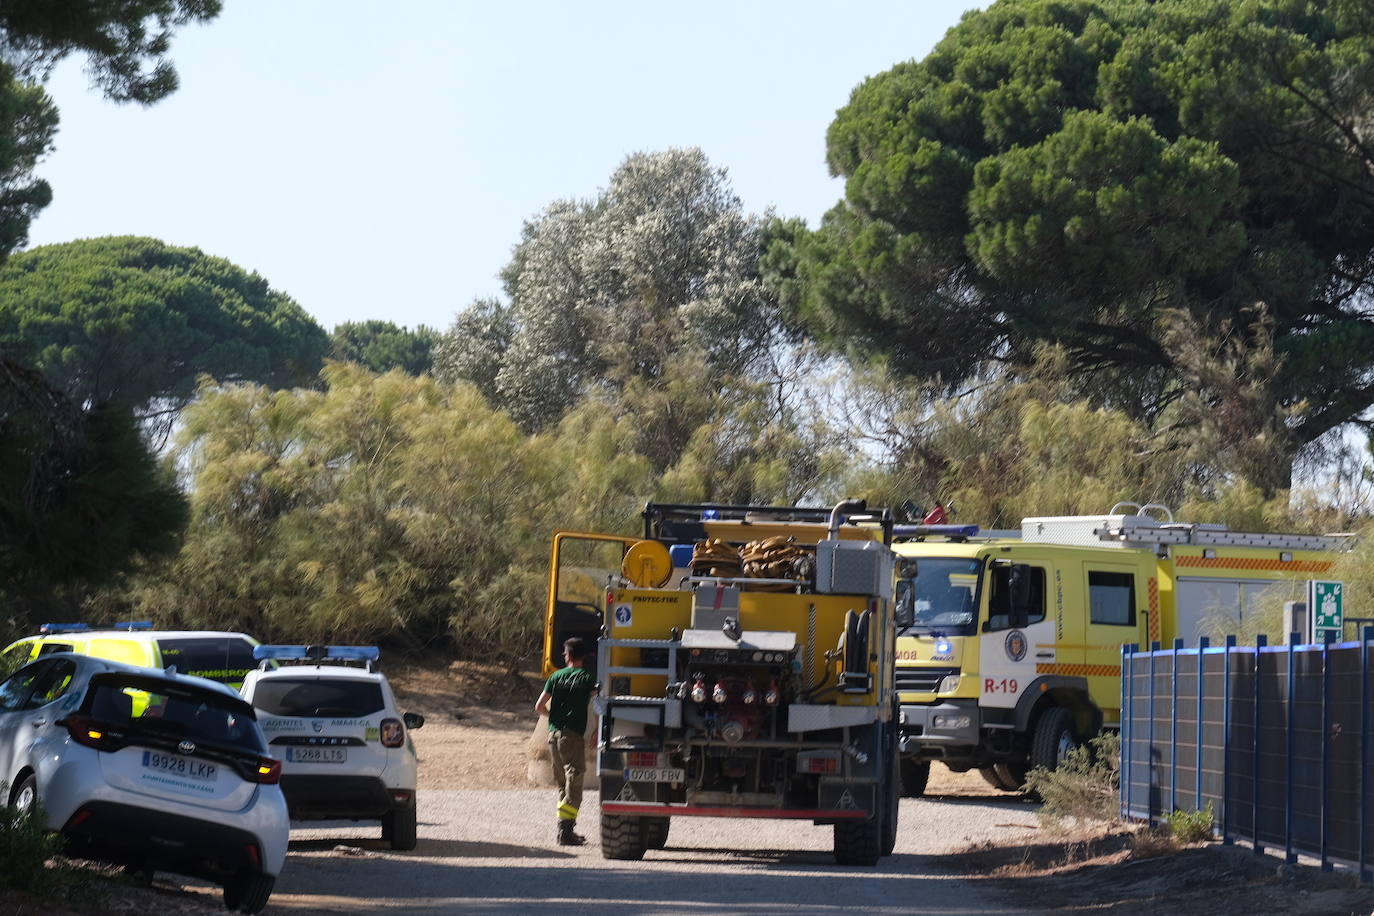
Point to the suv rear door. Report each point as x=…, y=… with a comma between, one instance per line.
x=166, y=738
x=322, y=724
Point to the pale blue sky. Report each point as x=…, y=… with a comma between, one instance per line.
x=377, y=160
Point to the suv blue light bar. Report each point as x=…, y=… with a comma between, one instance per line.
x=48, y=629
x=318, y=653
x=950, y=531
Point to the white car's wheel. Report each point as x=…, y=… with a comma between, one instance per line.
x=248, y=892
x=25, y=795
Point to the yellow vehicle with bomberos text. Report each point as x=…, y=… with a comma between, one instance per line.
x=1014, y=652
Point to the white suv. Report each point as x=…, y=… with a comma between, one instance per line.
x=152, y=770
x=345, y=748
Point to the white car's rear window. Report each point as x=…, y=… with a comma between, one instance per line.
x=147, y=705
x=312, y=697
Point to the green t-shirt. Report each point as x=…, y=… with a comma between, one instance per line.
x=570, y=688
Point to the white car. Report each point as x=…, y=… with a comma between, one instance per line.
x=152, y=770
x=345, y=747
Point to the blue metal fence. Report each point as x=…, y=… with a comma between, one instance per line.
x=1276, y=739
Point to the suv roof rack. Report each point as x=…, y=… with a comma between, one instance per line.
x=956, y=533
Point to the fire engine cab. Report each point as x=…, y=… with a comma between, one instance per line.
x=1013, y=656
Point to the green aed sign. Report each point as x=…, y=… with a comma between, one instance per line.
x=1324, y=598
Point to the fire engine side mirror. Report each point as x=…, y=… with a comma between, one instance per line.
x=904, y=614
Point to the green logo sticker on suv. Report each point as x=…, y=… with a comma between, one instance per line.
x=373, y=733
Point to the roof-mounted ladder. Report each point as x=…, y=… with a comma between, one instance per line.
x=1140, y=529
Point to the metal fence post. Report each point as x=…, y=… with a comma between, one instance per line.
x=1326, y=747
x=1150, y=744
x=1260, y=642
x=1365, y=645
x=1127, y=708
x=1201, y=691
x=1173, y=728
x=1288, y=854
x=1226, y=740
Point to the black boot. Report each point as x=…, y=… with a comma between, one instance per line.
x=566, y=837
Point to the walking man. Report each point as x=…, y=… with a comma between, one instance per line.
x=564, y=701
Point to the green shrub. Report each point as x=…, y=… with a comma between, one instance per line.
x=25, y=847
x=1084, y=787
x=1190, y=826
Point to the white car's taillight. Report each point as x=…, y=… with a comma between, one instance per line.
x=91, y=732
x=267, y=771
x=393, y=733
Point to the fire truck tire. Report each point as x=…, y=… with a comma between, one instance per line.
x=915, y=775
x=622, y=837
x=991, y=777
x=1054, y=738
x=655, y=832
x=1013, y=775
x=859, y=842
x=1009, y=777
x=892, y=793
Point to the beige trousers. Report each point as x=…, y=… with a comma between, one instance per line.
x=567, y=754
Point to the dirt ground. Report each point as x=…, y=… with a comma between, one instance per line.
x=480, y=733
x=485, y=736
x=1125, y=874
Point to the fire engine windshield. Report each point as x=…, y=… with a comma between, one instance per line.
x=946, y=595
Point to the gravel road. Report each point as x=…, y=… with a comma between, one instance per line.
x=492, y=851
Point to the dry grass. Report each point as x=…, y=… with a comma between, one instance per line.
x=1151, y=842
x=1083, y=789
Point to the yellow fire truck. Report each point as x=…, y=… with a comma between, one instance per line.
x=745, y=665
x=1014, y=653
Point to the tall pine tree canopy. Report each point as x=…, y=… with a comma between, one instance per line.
x=125, y=44
x=1088, y=172
x=382, y=346
x=125, y=41
x=134, y=321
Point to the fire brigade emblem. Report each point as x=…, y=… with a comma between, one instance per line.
x=1016, y=645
